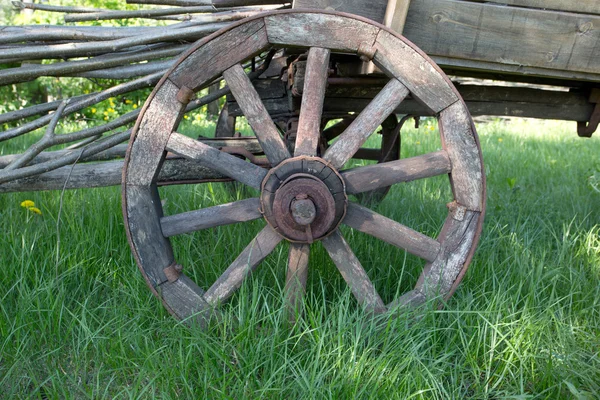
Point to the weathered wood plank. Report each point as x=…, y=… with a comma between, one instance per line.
x=459, y=141
x=374, y=10
x=184, y=299
x=365, y=124
x=260, y=247
x=315, y=83
x=371, y=177
x=295, y=282
x=319, y=30
x=392, y=232
x=505, y=35
x=579, y=6
x=223, y=214
x=219, y=161
x=151, y=249
x=80, y=176
x=219, y=54
x=148, y=146
x=353, y=273
x=256, y=114
x=419, y=75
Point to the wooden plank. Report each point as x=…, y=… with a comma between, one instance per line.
x=353, y=273
x=319, y=30
x=505, y=35
x=105, y=174
x=392, y=232
x=210, y=217
x=256, y=114
x=459, y=141
x=183, y=298
x=226, y=164
x=315, y=83
x=371, y=177
x=418, y=74
x=295, y=282
x=148, y=146
x=151, y=249
x=374, y=10
x=365, y=124
x=260, y=247
x=578, y=6
x=457, y=240
x=220, y=53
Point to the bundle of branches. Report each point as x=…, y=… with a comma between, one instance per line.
x=124, y=60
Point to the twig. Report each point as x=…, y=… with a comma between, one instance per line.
x=30, y=72
x=44, y=7
x=131, y=86
x=109, y=14
x=45, y=142
x=67, y=159
x=37, y=109
x=92, y=48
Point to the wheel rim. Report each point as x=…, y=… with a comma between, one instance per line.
x=323, y=198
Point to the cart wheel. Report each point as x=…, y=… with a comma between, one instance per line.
x=303, y=198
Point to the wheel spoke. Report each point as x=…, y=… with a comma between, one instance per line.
x=375, y=176
x=219, y=161
x=224, y=214
x=295, y=283
x=260, y=247
x=315, y=83
x=353, y=272
x=365, y=124
x=392, y=232
x=256, y=114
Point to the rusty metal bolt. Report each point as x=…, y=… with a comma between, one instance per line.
x=303, y=210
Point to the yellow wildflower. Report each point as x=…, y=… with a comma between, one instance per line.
x=500, y=140
x=418, y=142
x=127, y=101
x=105, y=113
x=35, y=210
x=93, y=110
x=186, y=117
x=106, y=118
x=135, y=106
x=27, y=204
x=111, y=110
x=431, y=128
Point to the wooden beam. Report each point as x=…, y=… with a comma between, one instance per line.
x=506, y=35
x=109, y=173
x=578, y=6
x=374, y=10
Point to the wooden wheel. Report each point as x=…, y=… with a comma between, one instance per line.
x=303, y=198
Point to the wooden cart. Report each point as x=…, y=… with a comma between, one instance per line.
x=345, y=61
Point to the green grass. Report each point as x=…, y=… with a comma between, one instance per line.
x=77, y=321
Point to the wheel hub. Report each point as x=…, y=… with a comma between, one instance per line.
x=304, y=199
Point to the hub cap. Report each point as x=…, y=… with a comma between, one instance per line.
x=303, y=199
